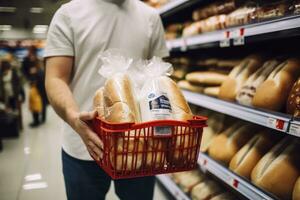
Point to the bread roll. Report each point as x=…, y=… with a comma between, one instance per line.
x=98, y=102
x=205, y=78
x=247, y=92
x=212, y=91
x=187, y=180
x=278, y=170
x=224, y=196
x=296, y=191
x=248, y=156
x=238, y=77
x=272, y=93
x=185, y=85
x=205, y=190
x=156, y=156
x=293, y=102
x=192, y=29
x=227, y=144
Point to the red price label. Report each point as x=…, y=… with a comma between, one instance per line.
x=275, y=123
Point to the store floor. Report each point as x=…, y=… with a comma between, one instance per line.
x=33, y=160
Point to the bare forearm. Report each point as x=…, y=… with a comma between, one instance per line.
x=61, y=99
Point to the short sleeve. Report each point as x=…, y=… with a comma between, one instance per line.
x=158, y=45
x=60, y=36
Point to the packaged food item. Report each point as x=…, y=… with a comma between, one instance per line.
x=273, y=92
x=293, y=102
x=272, y=10
x=205, y=190
x=241, y=16
x=249, y=155
x=213, y=23
x=224, y=146
x=278, y=170
x=120, y=106
x=192, y=29
x=296, y=191
x=238, y=77
x=247, y=92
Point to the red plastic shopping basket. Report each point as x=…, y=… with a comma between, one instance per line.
x=135, y=150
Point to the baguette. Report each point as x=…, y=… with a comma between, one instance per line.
x=187, y=180
x=272, y=93
x=238, y=77
x=278, y=170
x=248, y=156
x=205, y=78
x=227, y=144
x=122, y=107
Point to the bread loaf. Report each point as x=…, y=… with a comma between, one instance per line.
x=205, y=190
x=192, y=29
x=246, y=93
x=205, y=78
x=248, y=156
x=185, y=85
x=119, y=97
x=226, y=145
x=212, y=91
x=122, y=107
x=278, y=170
x=98, y=102
x=238, y=77
x=296, y=191
x=272, y=93
x=187, y=180
x=293, y=102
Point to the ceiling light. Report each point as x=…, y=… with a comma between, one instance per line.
x=5, y=27
x=36, y=10
x=40, y=28
x=8, y=9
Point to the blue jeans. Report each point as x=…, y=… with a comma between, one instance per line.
x=85, y=180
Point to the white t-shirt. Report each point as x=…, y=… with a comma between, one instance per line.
x=83, y=29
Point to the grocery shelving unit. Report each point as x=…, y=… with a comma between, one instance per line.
x=280, y=28
x=240, y=35
x=274, y=120
x=239, y=184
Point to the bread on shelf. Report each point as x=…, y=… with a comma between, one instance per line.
x=185, y=85
x=238, y=77
x=249, y=155
x=296, y=190
x=248, y=90
x=272, y=93
x=205, y=190
x=212, y=91
x=206, y=78
x=227, y=144
x=293, y=102
x=187, y=180
x=279, y=169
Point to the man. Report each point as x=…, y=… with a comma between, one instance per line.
x=79, y=31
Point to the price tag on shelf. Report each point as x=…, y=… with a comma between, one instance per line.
x=232, y=182
x=183, y=46
x=203, y=164
x=226, y=41
x=275, y=123
x=295, y=130
x=238, y=37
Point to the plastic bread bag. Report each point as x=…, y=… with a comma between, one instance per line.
x=120, y=100
x=120, y=106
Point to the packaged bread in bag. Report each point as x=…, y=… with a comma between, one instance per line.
x=120, y=106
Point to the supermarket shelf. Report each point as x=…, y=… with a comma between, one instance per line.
x=274, y=120
x=168, y=183
x=175, y=6
x=240, y=35
x=239, y=184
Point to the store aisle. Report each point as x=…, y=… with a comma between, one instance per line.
x=34, y=160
